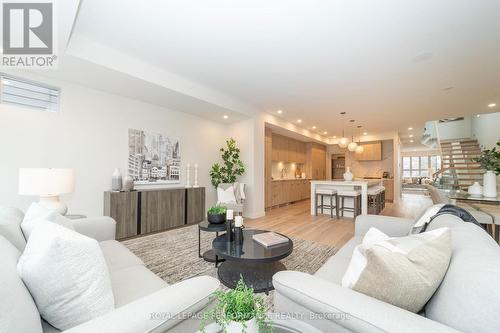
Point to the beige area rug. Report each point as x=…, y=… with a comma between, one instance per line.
x=173, y=255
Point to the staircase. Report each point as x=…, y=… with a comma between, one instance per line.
x=458, y=171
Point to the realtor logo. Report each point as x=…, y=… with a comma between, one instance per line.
x=28, y=34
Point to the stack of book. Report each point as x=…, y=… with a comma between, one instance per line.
x=268, y=239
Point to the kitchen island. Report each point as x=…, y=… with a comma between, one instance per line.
x=344, y=185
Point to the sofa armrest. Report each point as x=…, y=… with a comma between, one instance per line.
x=352, y=310
x=157, y=312
x=392, y=226
x=100, y=228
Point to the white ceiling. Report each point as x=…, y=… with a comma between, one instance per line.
x=384, y=62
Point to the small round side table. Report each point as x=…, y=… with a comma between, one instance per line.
x=210, y=255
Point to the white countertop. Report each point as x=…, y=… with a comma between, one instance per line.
x=370, y=182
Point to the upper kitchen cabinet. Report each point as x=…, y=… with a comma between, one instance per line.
x=372, y=152
x=288, y=150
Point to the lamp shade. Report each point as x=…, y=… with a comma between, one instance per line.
x=45, y=181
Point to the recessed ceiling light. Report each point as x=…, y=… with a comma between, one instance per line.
x=411, y=141
x=478, y=115
x=314, y=127
x=325, y=133
x=280, y=111
x=365, y=133
x=225, y=116
x=410, y=128
x=411, y=135
x=299, y=120
x=492, y=105
x=334, y=136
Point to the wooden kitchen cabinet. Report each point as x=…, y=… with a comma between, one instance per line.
x=289, y=191
x=287, y=150
x=372, y=151
x=389, y=189
x=317, y=161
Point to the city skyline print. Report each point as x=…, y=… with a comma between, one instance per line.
x=153, y=158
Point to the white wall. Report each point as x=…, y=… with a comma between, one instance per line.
x=90, y=134
x=486, y=129
x=454, y=129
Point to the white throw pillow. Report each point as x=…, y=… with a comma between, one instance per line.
x=402, y=271
x=37, y=213
x=66, y=274
x=226, y=196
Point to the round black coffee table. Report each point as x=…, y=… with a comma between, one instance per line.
x=209, y=227
x=251, y=260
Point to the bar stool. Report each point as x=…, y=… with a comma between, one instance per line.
x=332, y=195
x=376, y=199
x=356, y=196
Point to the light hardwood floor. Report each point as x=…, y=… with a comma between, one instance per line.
x=295, y=220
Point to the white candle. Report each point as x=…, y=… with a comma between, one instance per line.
x=229, y=214
x=238, y=221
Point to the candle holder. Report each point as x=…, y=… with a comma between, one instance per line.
x=188, y=179
x=195, y=185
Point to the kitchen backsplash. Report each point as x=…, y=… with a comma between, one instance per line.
x=288, y=170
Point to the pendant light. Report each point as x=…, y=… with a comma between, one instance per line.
x=343, y=141
x=353, y=145
x=359, y=149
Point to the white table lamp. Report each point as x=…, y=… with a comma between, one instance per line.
x=48, y=184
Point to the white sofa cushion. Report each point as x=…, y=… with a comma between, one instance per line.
x=404, y=271
x=37, y=213
x=66, y=274
x=18, y=312
x=117, y=256
x=134, y=282
x=335, y=267
x=10, y=226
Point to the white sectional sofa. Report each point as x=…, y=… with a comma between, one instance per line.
x=467, y=300
x=143, y=301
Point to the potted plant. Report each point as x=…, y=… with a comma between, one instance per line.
x=490, y=161
x=238, y=311
x=232, y=166
x=216, y=214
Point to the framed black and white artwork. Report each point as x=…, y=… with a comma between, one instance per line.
x=153, y=158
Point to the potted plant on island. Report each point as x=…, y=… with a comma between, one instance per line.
x=216, y=214
x=490, y=161
x=238, y=311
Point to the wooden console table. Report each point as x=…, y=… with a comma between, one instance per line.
x=152, y=210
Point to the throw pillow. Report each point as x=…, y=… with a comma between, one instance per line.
x=226, y=196
x=66, y=274
x=425, y=218
x=404, y=271
x=36, y=213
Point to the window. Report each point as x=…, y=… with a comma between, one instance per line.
x=22, y=92
x=418, y=166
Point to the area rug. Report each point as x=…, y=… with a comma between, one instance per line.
x=173, y=255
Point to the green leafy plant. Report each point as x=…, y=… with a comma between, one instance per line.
x=217, y=209
x=490, y=159
x=239, y=305
x=232, y=165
